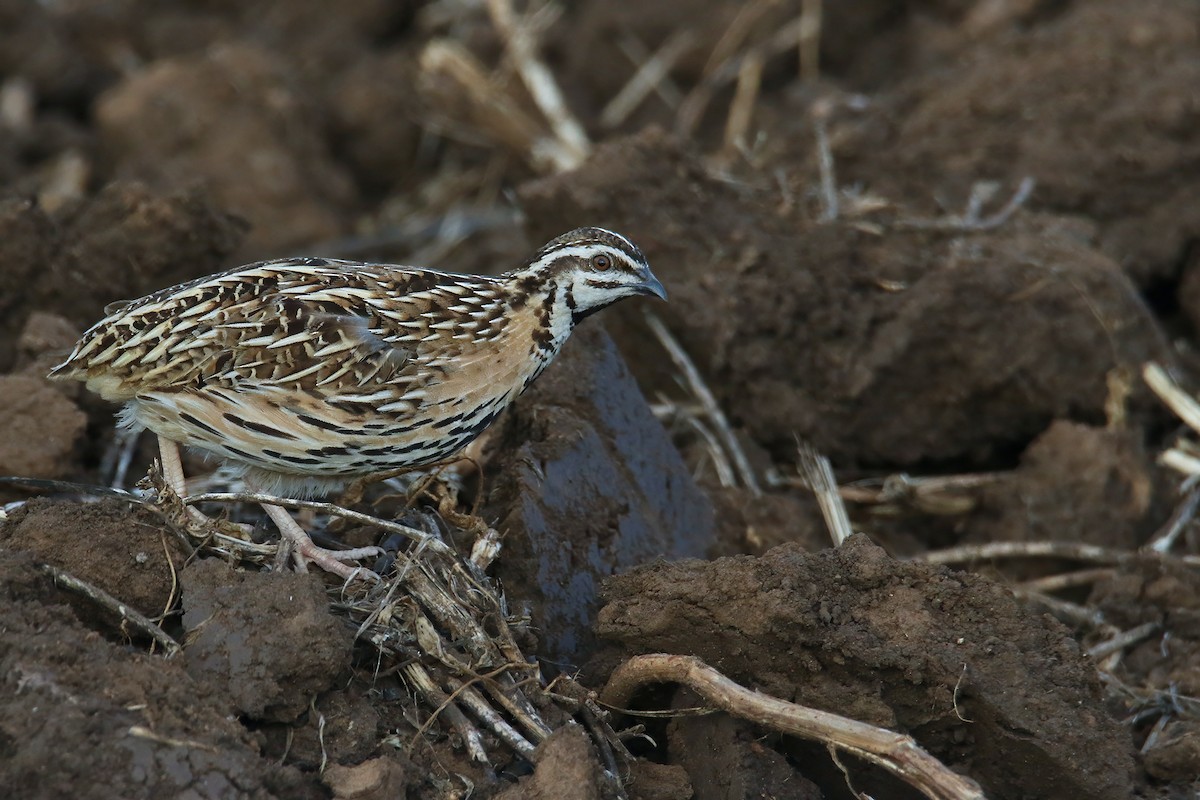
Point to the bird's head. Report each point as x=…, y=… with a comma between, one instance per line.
x=594, y=268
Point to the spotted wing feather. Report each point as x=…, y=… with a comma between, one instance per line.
x=342, y=332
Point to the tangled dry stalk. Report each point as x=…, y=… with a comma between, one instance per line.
x=437, y=616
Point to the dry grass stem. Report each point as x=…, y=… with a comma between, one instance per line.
x=1185, y=512
x=128, y=616
x=1179, y=401
x=574, y=145
x=650, y=77
x=474, y=702
x=1124, y=639
x=478, y=112
x=445, y=707
x=817, y=473
x=970, y=219
x=704, y=395
x=821, y=112
x=694, y=105
x=326, y=508
x=665, y=409
x=1051, y=549
x=1185, y=455
x=142, y=732
x=898, y=754
x=486, y=549
x=18, y=104
x=741, y=109
x=46, y=485
x=809, y=40
x=1065, y=611
x=941, y=494
x=1181, y=460
x=733, y=40
x=1068, y=580
x=725, y=474
x=114, y=463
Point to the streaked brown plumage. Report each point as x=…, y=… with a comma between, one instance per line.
x=308, y=373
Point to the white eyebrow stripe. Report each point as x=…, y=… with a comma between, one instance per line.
x=619, y=236
x=581, y=251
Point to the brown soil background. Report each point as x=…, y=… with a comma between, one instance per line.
x=142, y=144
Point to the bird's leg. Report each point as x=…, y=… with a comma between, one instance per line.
x=172, y=466
x=172, y=469
x=305, y=550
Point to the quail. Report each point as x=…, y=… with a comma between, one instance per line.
x=308, y=373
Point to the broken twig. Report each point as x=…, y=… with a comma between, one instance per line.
x=1123, y=639
x=1052, y=549
x=1185, y=512
x=132, y=617
x=898, y=754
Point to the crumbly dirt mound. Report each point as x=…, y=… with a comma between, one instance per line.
x=122, y=244
x=115, y=545
x=1089, y=104
x=133, y=725
x=964, y=669
x=270, y=168
x=42, y=429
x=1075, y=483
x=240, y=627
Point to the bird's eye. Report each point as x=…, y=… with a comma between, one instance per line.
x=601, y=263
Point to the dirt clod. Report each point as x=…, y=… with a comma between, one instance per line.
x=124, y=551
x=1025, y=103
x=1177, y=758
x=143, y=727
x=269, y=168
x=241, y=633
x=1075, y=483
x=41, y=428
x=565, y=766
x=651, y=781
x=126, y=242
x=375, y=779
x=968, y=670
x=891, y=334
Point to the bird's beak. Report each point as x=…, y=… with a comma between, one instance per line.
x=652, y=285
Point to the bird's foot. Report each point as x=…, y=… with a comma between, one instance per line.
x=307, y=552
x=304, y=551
